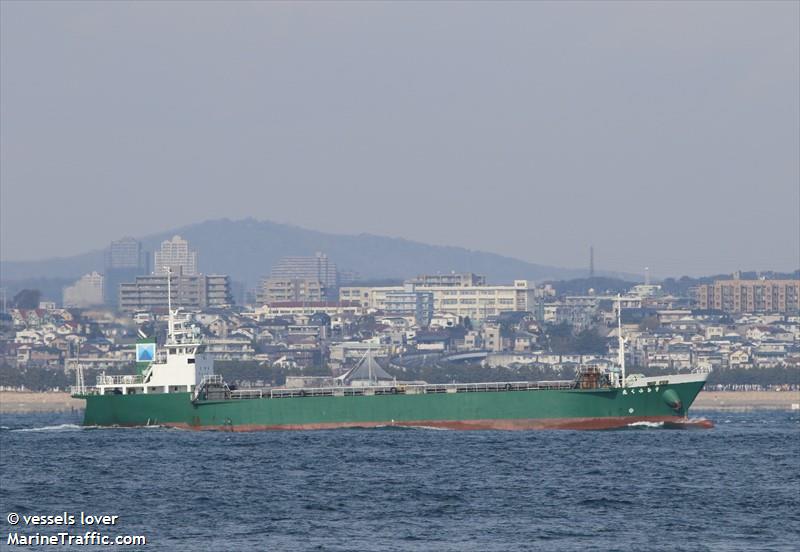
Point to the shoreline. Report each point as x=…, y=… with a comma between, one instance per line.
x=746, y=400
x=26, y=402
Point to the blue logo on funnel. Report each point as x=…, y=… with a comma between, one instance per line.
x=145, y=352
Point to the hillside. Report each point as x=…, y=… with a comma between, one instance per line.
x=246, y=249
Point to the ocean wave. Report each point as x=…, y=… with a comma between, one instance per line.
x=390, y=427
x=430, y=428
x=73, y=427
x=408, y=427
x=646, y=424
x=59, y=427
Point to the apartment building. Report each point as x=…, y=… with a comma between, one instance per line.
x=218, y=291
x=281, y=290
x=750, y=296
x=410, y=303
x=476, y=302
x=196, y=291
x=307, y=308
x=318, y=268
x=453, y=279
x=360, y=294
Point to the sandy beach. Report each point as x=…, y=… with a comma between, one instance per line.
x=13, y=402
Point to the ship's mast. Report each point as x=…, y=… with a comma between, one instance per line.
x=79, y=381
x=621, y=340
x=170, y=320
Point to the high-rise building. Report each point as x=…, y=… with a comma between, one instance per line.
x=125, y=260
x=218, y=291
x=176, y=256
x=737, y=296
x=318, y=268
x=86, y=292
x=126, y=253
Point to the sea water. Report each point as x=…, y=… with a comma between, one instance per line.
x=734, y=487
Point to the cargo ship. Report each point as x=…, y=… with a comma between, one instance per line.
x=177, y=387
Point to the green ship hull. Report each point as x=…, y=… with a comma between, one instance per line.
x=599, y=408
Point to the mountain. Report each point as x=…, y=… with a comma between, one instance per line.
x=247, y=249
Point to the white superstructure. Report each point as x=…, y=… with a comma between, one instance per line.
x=179, y=368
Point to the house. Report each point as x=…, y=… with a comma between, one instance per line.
x=218, y=327
x=27, y=337
x=397, y=322
x=244, y=333
x=739, y=359
x=769, y=359
x=432, y=341
x=524, y=342
x=492, y=338
x=758, y=333
x=45, y=356
x=230, y=348
x=472, y=340
x=23, y=354
x=444, y=320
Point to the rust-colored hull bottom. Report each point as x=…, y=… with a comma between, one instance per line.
x=507, y=425
x=701, y=423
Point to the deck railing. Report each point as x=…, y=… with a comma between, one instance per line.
x=83, y=390
x=119, y=380
x=402, y=389
x=395, y=389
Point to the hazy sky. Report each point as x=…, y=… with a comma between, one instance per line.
x=666, y=134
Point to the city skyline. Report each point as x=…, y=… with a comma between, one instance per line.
x=528, y=130
x=159, y=241
x=315, y=277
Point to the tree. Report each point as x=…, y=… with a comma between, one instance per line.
x=649, y=323
x=27, y=299
x=366, y=325
x=559, y=330
x=559, y=338
x=590, y=342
